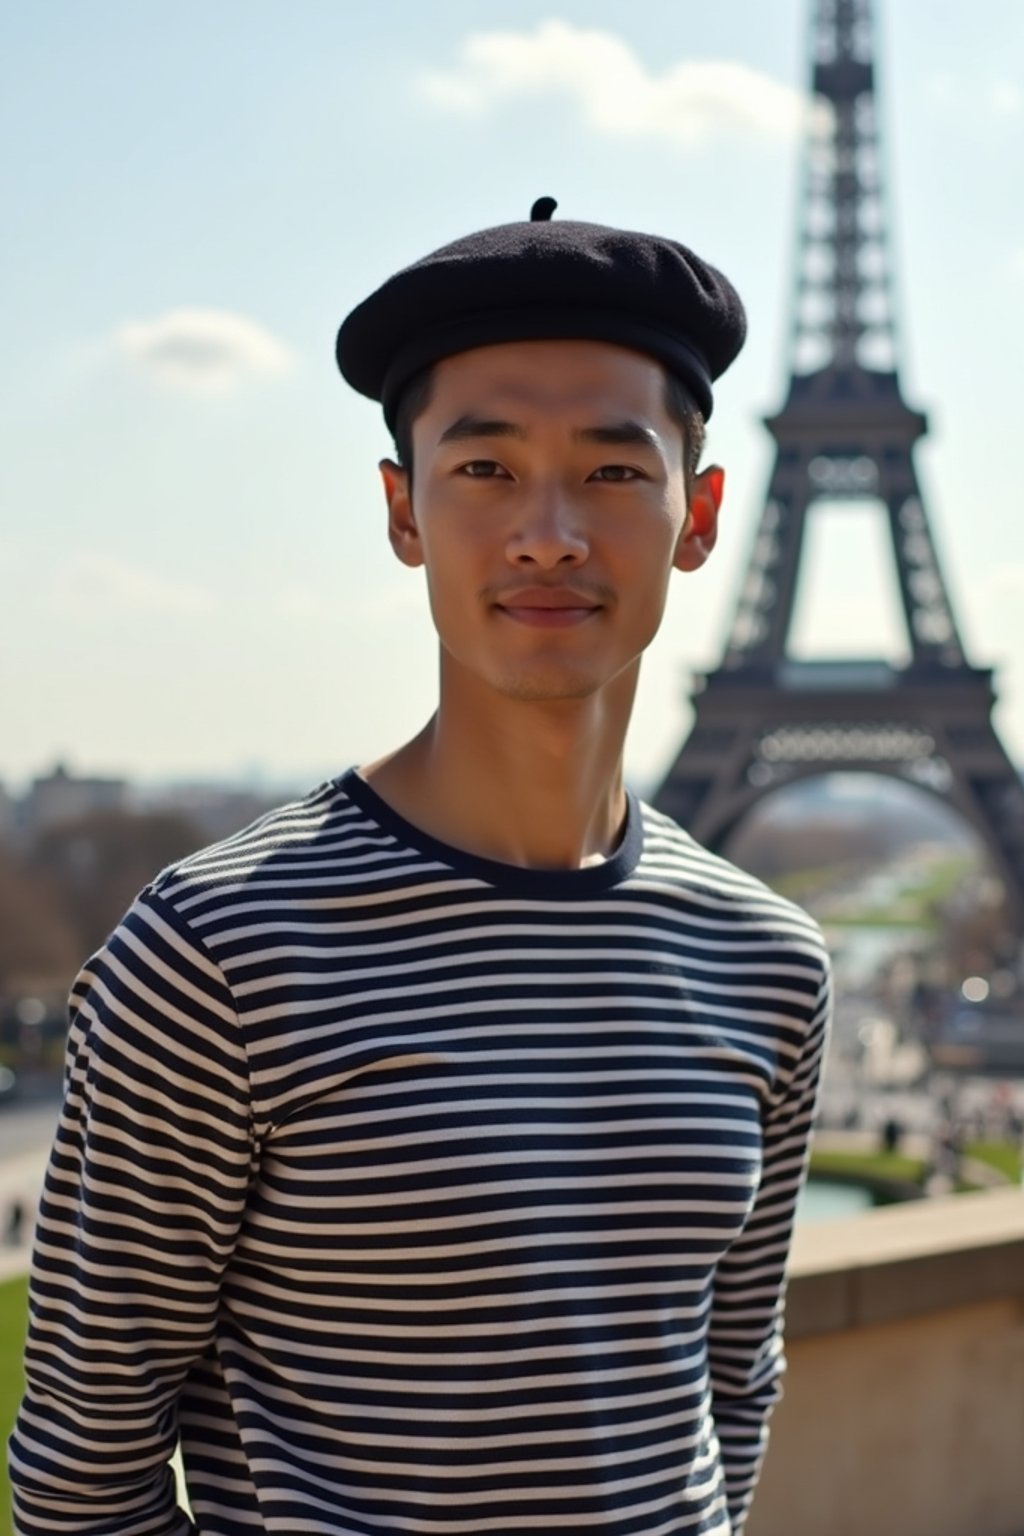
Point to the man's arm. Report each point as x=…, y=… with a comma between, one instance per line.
x=143, y=1197
x=745, y=1335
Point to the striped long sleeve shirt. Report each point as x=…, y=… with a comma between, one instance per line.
x=419, y=1193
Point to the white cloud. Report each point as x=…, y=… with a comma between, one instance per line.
x=102, y=586
x=201, y=349
x=614, y=91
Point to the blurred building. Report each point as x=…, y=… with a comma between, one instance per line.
x=61, y=796
x=215, y=810
x=8, y=815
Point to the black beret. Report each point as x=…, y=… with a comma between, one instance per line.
x=545, y=280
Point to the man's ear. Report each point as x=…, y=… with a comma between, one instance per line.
x=700, y=530
x=402, y=530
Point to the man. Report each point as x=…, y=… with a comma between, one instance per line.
x=431, y=1147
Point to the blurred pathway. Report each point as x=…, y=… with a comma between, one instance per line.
x=21, y=1179
x=26, y=1130
x=912, y=1144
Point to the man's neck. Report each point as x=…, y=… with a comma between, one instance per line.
x=535, y=785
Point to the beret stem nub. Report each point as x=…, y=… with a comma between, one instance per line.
x=542, y=210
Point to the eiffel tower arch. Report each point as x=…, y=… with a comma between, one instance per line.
x=763, y=719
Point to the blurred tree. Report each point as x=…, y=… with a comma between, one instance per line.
x=774, y=848
x=39, y=947
x=97, y=865
x=978, y=932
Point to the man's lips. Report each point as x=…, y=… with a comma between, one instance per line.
x=547, y=607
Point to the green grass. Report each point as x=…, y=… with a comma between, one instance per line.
x=869, y=1165
x=804, y=884
x=902, y=912
x=913, y=906
x=894, y=1166
x=945, y=877
x=13, y=1312
x=1002, y=1155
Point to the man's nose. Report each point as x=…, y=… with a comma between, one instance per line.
x=548, y=531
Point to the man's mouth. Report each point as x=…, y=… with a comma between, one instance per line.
x=548, y=607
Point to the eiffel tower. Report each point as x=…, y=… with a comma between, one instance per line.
x=845, y=432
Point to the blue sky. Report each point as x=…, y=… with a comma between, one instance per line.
x=193, y=565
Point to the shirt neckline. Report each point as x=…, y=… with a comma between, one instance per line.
x=513, y=878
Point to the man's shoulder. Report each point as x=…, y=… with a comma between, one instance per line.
x=284, y=845
x=711, y=881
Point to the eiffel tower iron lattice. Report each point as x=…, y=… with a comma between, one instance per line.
x=762, y=718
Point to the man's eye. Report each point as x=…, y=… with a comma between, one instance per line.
x=616, y=473
x=481, y=469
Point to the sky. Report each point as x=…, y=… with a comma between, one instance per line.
x=194, y=572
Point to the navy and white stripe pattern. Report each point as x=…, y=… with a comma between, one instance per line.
x=420, y=1193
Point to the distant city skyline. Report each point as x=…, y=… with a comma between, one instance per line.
x=847, y=793
x=195, y=575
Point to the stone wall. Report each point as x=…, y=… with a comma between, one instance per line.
x=904, y=1406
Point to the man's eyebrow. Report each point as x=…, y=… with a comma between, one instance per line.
x=627, y=433
x=622, y=433
x=479, y=426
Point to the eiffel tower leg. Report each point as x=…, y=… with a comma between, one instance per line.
x=931, y=625
x=765, y=608
x=701, y=790
x=988, y=792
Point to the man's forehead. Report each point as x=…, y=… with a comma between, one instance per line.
x=550, y=375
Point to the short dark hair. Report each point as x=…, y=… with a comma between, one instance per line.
x=413, y=402
x=679, y=404
x=686, y=413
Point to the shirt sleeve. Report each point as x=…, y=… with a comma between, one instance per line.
x=745, y=1342
x=141, y=1205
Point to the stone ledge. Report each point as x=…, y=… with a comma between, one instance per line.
x=906, y=1260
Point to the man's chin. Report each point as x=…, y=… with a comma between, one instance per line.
x=548, y=687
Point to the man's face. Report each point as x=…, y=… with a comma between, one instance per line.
x=549, y=508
